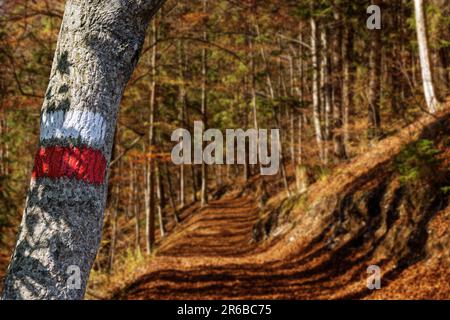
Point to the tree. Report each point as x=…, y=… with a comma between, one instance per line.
x=98, y=48
x=340, y=150
x=182, y=110
x=425, y=65
x=150, y=165
x=375, y=81
x=315, y=88
x=204, y=102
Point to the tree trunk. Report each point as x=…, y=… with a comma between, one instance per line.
x=149, y=207
x=194, y=185
x=150, y=175
x=182, y=110
x=204, y=189
x=347, y=81
x=340, y=151
x=374, y=82
x=292, y=115
x=315, y=88
x=253, y=89
x=326, y=90
x=301, y=92
x=114, y=231
x=171, y=193
x=161, y=199
x=245, y=121
x=98, y=48
x=425, y=65
x=136, y=209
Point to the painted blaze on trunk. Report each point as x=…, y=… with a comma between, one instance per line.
x=98, y=47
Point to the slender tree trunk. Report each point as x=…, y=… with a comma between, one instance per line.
x=292, y=115
x=315, y=89
x=247, y=172
x=204, y=189
x=347, y=81
x=161, y=199
x=283, y=166
x=113, y=200
x=253, y=88
x=340, y=151
x=114, y=217
x=253, y=85
x=326, y=89
x=171, y=193
x=375, y=60
x=300, y=140
x=97, y=50
x=425, y=64
x=136, y=209
x=182, y=106
x=149, y=207
x=150, y=180
x=292, y=119
x=301, y=91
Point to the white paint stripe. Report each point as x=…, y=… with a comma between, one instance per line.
x=88, y=126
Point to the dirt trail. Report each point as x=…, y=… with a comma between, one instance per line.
x=212, y=256
x=222, y=229
x=193, y=262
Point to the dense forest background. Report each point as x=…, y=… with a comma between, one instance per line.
x=310, y=68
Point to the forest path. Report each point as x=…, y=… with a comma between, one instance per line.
x=221, y=229
x=211, y=255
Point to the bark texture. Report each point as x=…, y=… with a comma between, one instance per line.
x=98, y=48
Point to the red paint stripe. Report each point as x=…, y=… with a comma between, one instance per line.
x=83, y=164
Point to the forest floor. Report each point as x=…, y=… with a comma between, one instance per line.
x=212, y=254
x=213, y=257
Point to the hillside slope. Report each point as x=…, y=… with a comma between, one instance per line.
x=320, y=246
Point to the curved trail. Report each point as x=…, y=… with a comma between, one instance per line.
x=212, y=256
